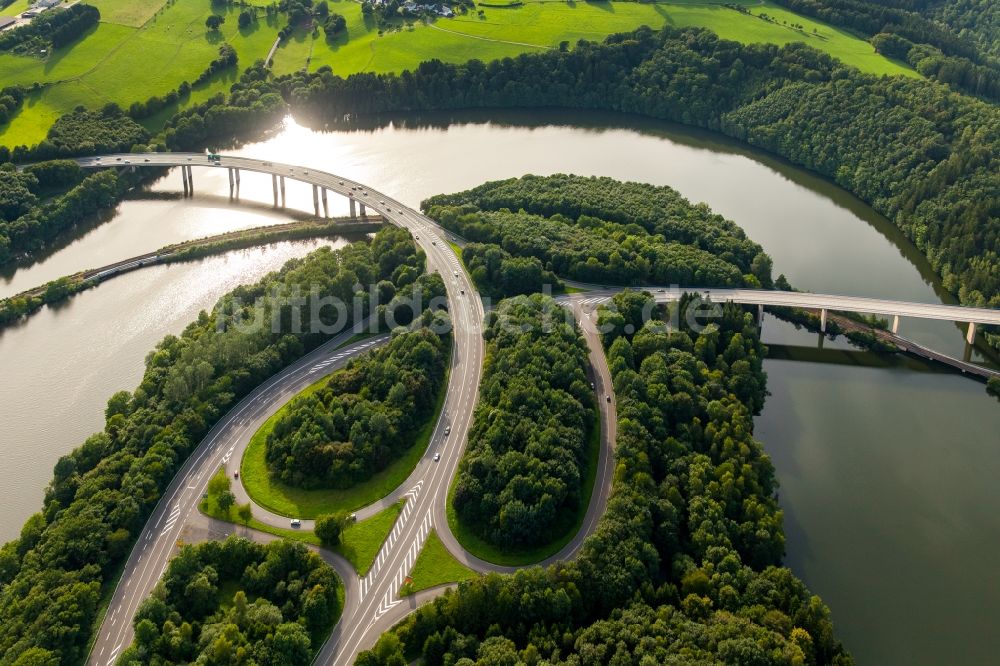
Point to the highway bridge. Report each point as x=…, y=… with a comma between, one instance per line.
x=373, y=605
x=365, y=197
x=364, y=617
x=825, y=303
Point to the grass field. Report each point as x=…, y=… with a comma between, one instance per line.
x=435, y=566
x=360, y=542
x=485, y=550
x=508, y=31
x=15, y=8
x=144, y=49
x=137, y=51
x=289, y=501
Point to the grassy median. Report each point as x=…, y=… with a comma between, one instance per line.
x=435, y=566
x=287, y=500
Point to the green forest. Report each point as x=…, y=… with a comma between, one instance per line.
x=365, y=416
x=598, y=230
x=30, y=219
x=55, y=575
x=237, y=602
x=925, y=157
x=921, y=155
x=957, y=43
x=521, y=476
x=685, y=566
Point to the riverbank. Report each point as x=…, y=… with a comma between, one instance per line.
x=20, y=306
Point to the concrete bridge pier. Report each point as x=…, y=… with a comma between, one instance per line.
x=274, y=188
x=326, y=205
x=237, y=172
x=760, y=315
x=232, y=183
x=184, y=179
x=970, y=335
x=190, y=180
x=895, y=324
x=354, y=211
x=822, y=320
x=316, y=200
x=281, y=181
x=363, y=213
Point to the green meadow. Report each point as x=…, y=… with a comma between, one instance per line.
x=14, y=8
x=144, y=49
x=137, y=51
x=539, y=25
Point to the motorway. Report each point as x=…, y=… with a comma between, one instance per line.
x=376, y=599
x=373, y=605
x=179, y=505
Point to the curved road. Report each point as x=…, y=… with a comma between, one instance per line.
x=178, y=506
x=376, y=598
x=373, y=604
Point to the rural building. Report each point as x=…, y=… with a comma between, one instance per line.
x=6, y=22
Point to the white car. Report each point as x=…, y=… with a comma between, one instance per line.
x=437, y=456
x=295, y=522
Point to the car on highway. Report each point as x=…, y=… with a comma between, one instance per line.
x=295, y=522
x=437, y=457
x=608, y=398
x=456, y=273
x=434, y=242
x=461, y=291
x=340, y=182
x=236, y=474
x=146, y=160
x=592, y=385
x=266, y=164
x=447, y=430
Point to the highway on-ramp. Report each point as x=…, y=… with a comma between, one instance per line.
x=378, y=592
x=159, y=538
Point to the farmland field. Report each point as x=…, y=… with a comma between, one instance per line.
x=14, y=8
x=508, y=31
x=140, y=50
x=123, y=62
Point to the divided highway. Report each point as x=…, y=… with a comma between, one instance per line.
x=163, y=530
x=373, y=605
x=377, y=598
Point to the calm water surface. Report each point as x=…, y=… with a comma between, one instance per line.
x=886, y=472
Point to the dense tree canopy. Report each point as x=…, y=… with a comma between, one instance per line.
x=237, y=602
x=906, y=29
x=598, y=230
x=55, y=28
x=365, y=416
x=925, y=157
x=522, y=472
x=26, y=225
x=684, y=567
x=101, y=494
